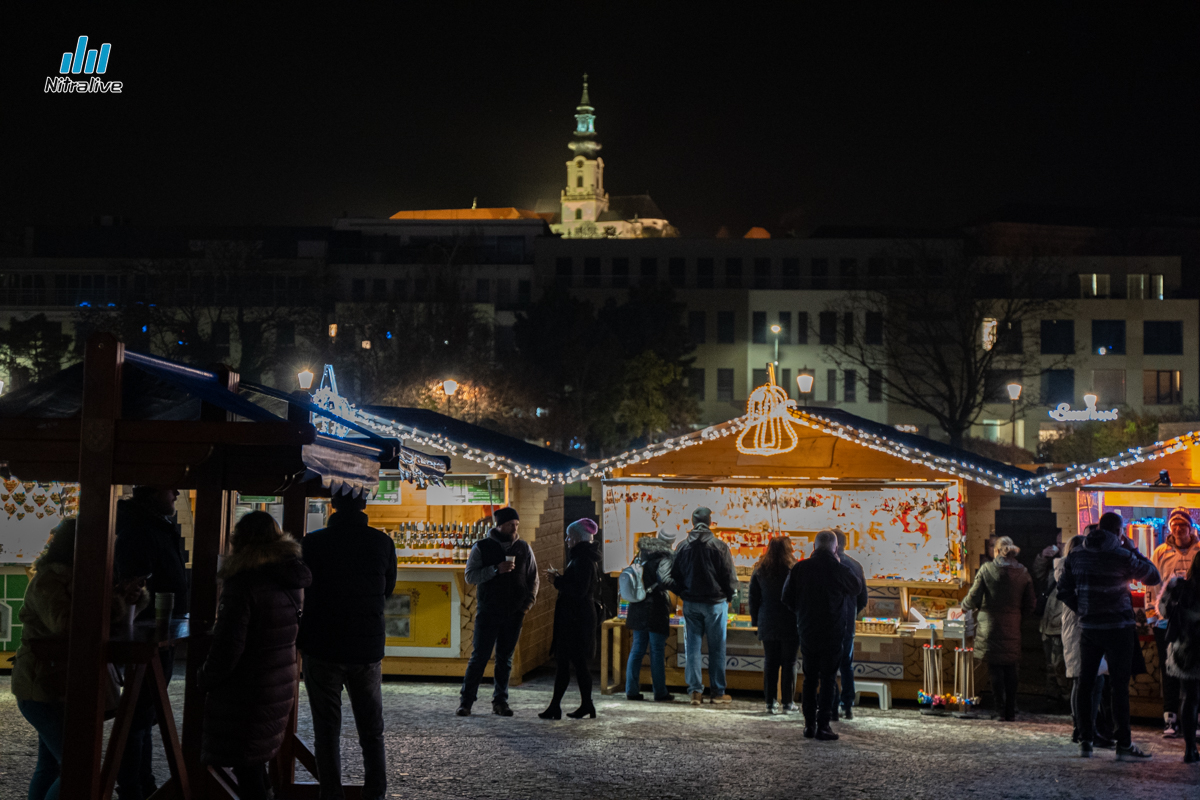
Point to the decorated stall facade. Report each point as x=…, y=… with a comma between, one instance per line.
x=905, y=502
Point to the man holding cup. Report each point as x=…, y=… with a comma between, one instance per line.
x=149, y=547
x=505, y=575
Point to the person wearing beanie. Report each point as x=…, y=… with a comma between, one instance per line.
x=1173, y=558
x=575, y=619
x=649, y=621
x=1095, y=585
x=704, y=574
x=503, y=571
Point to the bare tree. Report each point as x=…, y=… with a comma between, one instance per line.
x=947, y=335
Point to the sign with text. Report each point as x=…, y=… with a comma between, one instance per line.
x=467, y=491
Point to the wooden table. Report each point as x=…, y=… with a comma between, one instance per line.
x=138, y=650
x=611, y=665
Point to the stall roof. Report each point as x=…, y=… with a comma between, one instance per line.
x=425, y=428
x=1080, y=473
x=864, y=432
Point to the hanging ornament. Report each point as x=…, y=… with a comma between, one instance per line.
x=770, y=431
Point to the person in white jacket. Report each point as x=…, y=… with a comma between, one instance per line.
x=1173, y=558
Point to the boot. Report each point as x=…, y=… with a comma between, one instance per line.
x=500, y=708
x=826, y=734
x=810, y=730
x=1085, y=749
x=464, y=710
x=553, y=712
x=585, y=710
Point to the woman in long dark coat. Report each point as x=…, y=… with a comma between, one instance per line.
x=776, y=623
x=1002, y=593
x=250, y=672
x=575, y=620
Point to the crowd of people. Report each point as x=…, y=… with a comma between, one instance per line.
x=325, y=596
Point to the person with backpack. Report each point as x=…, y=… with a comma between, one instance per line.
x=776, y=623
x=575, y=619
x=704, y=572
x=645, y=585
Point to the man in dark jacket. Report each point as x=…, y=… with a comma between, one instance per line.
x=148, y=546
x=704, y=574
x=504, y=573
x=341, y=636
x=860, y=602
x=823, y=592
x=1095, y=585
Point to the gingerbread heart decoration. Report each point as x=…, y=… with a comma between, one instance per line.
x=40, y=499
x=10, y=485
x=21, y=515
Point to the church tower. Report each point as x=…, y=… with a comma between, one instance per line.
x=584, y=199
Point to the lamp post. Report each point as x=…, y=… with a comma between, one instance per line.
x=305, y=378
x=804, y=382
x=1014, y=394
x=775, y=329
x=449, y=387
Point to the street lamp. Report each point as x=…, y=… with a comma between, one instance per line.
x=1090, y=399
x=775, y=329
x=449, y=387
x=1014, y=394
x=804, y=382
x=305, y=379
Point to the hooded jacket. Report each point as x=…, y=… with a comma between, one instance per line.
x=1171, y=562
x=45, y=614
x=250, y=672
x=1002, y=593
x=1045, y=575
x=703, y=569
x=822, y=591
x=575, y=620
x=654, y=613
x=149, y=544
x=1095, y=580
x=353, y=573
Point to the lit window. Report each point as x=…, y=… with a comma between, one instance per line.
x=1093, y=285
x=989, y=333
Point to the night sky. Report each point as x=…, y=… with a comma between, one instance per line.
x=749, y=117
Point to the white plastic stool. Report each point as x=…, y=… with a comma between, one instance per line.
x=881, y=689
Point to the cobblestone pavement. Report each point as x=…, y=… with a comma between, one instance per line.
x=653, y=750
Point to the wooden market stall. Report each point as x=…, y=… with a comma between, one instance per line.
x=1142, y=485
x=125, y=419
x=917, y=514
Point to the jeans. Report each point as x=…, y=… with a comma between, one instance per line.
x=820, y=661
x=135, y=775
x=1170, y=684
x=252, y=782
x=324, y=681
x=49, y=720
x=492, y=630
x=657, y=642
x=700, y=620
x=1187, y=714
x=779, y=667
x=1115, y=645
x=1004, y=688
x=1057, y=686
x=847, y=670
x=1078, y=709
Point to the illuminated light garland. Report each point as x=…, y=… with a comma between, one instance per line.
x=772, y=430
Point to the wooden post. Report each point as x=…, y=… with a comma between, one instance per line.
x=91, y=588
x=211, y=525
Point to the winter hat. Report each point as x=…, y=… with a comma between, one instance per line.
x=582, y=529
x=667, y=534
x=1111, y=522
x=701, y=516
x=503, y=515
x=1182, y=513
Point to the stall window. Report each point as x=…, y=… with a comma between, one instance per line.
x=875, y=386
x=704, y=273
x=724, y=327
x=1109, y=386
x=850, y=390
x=831, y=385
x=620, y=273
x=1162, y=387
x=791, y=273
x=1108, y=337
x=725, y=385
x=1162, y=338
x=733, y=273
x=1058, y=386
x=695, y=382
x=802, y=327
x=1058, y=337
x=828, y=327
x=696, y=326
x=758, y=327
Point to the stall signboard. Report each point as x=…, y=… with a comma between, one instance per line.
x=915, y=533
x=259, y=499
x=389, y=493
x=30, y=511
x=467, y=491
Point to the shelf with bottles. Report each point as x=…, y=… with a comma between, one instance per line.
x=426, y=544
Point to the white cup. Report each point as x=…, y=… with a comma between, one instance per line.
x=511, y=559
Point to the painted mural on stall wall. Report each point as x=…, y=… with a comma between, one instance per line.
x=31, y=510
x=907, y=533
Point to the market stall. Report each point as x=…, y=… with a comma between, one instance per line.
x=917, y=514
x=1142, y=485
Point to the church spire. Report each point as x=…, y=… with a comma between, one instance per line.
x=585, y=143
